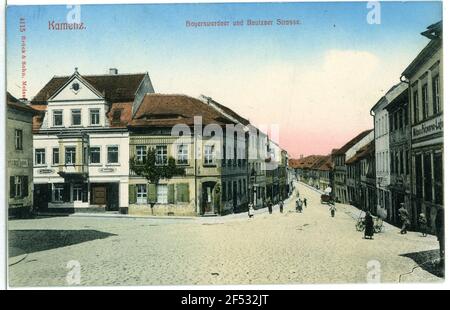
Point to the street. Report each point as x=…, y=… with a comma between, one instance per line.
x=289, y=248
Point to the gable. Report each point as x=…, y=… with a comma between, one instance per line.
x=76, y=89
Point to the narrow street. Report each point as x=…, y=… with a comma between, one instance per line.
x=288, y=248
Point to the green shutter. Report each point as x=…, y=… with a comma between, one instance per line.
x=183, y=192
x=151, y=193
x=132, y=193
x=25, y=186
x=171, y=193
x=12, y=187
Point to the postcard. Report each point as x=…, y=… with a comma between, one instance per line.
x=251, y=143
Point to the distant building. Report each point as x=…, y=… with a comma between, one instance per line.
x=19, y=154
x=363, y=163
x=339, y=158
x=425, y=77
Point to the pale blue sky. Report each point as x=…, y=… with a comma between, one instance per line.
x=218, y=61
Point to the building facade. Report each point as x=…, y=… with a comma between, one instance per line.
x=425, y=77
x=399, y=154
x=19, y=154
x=81, y=141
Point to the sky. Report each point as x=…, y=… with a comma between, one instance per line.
x=316, y=81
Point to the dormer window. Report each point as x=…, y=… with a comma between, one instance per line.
x=116, y=116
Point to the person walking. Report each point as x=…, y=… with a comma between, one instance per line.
x=440, y=233
x=368, y=223
x=281, y=206
x=251, y=210
x=332, y=210
x=404, y=217
x=269, y=205
x=305, y=202
x=423, y=224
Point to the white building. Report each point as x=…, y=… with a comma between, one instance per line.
x=382, y=150
x=81, y=143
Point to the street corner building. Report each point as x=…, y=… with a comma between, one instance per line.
x=81, y=141
x=19, y=154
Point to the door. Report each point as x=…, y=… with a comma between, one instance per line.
x=112, y=197
x=99, y=195
x=207, y=197
x=42, y=195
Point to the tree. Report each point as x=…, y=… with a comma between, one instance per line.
x=154, y=172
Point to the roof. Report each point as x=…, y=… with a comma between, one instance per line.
x=326, y=164
x=163, y=110
x=351, y=143
x=37, y=119
x=13, y=102
x=365, y=151
x=115, y=87
x=228, y=111
x=120, y=114
x=307, y=162
x=433, y=32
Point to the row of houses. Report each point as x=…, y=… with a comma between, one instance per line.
x=96, y=143
x=399, y=161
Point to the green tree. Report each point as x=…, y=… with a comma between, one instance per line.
x=154, y=172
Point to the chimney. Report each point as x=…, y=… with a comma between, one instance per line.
x=113, y=71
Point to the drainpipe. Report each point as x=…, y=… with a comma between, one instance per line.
x=375, y=138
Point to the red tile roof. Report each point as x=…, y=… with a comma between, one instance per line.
x=229, y=111
x=122, y=110
x=351, y=143
x=115, y=87
x=13, y=102
x=307, y=162
x=365, y=151
x=162, y=110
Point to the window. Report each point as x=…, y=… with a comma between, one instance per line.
x=141, y=194
x=400, y=119
x=116, y=115
x=58, y=192
x=407, y=162
x=18, y=186
x=436, y=95
x=76, y=117
x=18, y=138
x=57, y=118
x=416, y=106
x=161, y=155
x=209, y=155
x=70, y=155
x=95, y=116
x=141, y=153
x=401, y=163
x=94, y=155
x=230, y=190
x=427, y=177
x=182, y=154
x=406, y=116
x=39, y=156
x=77, y=193
x=161, y=192
x=55, y=155
x=425, y=101
x=113, y=154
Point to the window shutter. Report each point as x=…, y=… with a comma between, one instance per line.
x=49, y=192
x=25, y=186
x=183, y=192
x=171, y=193
x=132, y=193
x=84, y=193
x=66, y=193
x=12, y=187
x=151, y=193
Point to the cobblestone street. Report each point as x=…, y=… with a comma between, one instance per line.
x=288, y=248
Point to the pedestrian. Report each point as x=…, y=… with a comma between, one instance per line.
x=368, y=223
x=297, y=194
x=440, y=233
x=281, y=206
x=423, y=224
x=332, y=210
x=251, y=210
x=269, y=205
x=305, y=202
x=297, y=205
x=404, y=217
